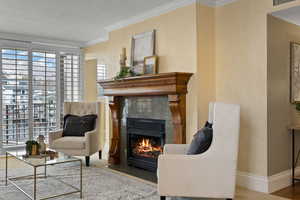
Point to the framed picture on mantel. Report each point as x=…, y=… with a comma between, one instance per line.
x=295, y=73
x=150, y=64
x=142, y=45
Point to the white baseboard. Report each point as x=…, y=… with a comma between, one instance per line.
x=266, y=184
x=252, y=181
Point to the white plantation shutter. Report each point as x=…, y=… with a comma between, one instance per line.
x=14, y=96
x=44, y=93
x=32, y=90
x=70, y=76
x=101, y=75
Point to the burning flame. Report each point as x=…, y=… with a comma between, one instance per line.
x=145, y=148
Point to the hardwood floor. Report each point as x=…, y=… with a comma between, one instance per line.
x=290, y=192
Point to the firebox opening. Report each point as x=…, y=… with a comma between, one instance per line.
x=145, y=141
x=147, y=147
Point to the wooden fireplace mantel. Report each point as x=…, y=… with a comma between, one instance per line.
x=173, y=85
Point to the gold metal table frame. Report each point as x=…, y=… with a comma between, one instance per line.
x=35, y=176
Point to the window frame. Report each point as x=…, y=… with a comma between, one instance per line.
x=31, y=47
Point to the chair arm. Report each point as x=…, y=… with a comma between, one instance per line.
x=92, y=141
x=54, y=135
x=195, y=176
x=175, y=148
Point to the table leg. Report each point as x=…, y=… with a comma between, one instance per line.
x=45, y=170
x=6, y=165
x=293, y=157
x=34, y=183
x=81, y=179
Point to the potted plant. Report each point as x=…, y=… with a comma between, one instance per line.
x=298, y=107
x=32, y=147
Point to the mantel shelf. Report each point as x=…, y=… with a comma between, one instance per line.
x=155, y=84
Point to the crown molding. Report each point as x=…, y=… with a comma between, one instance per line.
x=103, y=38
x=149, y=14
x=215, y=3
x=139, y=18
x=154, y=13
x=220, y=3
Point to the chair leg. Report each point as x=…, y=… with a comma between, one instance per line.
x=87, y=161
x=162, y=198
x=100, y=155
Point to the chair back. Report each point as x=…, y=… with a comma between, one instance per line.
x=226, y=128
x=224, y=148
x=84, y=108
x=81, y=108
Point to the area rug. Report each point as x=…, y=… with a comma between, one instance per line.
x=99, y=183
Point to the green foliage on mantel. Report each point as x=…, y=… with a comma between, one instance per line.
x=297, y=106
x=125, y=72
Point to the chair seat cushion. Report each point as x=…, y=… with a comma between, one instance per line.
x=202, y=140
x=78, y=125
x=69, y=143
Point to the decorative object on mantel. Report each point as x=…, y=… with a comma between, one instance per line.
x=123, y=58
x=142, y=45
x=173, y=85
x=125, y=71
x=295, y=73
x=297, y=106
x=150, y=63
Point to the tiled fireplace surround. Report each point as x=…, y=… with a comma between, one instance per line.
x=154, y=107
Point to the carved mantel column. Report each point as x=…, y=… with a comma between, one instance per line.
x=177, y=105
x=173, y=85
x=114, y=151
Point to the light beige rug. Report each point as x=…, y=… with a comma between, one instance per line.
x=103, y=183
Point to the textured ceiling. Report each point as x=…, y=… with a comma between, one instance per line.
x=74, y=20
x=291, y=15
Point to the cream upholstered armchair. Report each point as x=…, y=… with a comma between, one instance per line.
x=92, y=141
x=208, y=175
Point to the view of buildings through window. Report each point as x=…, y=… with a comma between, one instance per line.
x=29, y=92
x=15, y=96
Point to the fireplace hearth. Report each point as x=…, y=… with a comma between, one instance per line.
x=145, y=140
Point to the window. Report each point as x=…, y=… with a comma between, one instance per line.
x=15, y=98
x=71, y=77
x=44, y=96
x=101, y=75
x=32, y=92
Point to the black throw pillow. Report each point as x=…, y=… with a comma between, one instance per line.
x=77, y=125
x=202, y=140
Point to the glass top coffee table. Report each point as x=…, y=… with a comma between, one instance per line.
x=40, y=161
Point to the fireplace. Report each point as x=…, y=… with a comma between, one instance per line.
x=145, y=140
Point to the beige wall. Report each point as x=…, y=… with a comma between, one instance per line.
x=281, y=112
x=206, y=82
x=90, y=83
x=175, y=45
x=226, y=48
x=241, y=74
